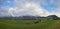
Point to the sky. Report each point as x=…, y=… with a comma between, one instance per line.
x=18, y=8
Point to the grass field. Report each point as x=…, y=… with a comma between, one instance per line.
x=29, y=24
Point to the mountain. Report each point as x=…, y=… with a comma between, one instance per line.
x=52, y=17
x=32, y=17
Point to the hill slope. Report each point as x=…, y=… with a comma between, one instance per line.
x=26, y=24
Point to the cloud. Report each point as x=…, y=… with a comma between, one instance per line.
x=27, y=7
x=57, y=2
x=56, y=8
x=4, y=11
x=31, y=9
x=4, y=7
x=53, y=6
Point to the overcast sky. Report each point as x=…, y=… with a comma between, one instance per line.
x=29, y=7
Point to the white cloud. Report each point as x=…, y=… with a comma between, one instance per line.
x=4, y=11
x=27, y=8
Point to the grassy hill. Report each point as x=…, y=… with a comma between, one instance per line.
x=29, y=24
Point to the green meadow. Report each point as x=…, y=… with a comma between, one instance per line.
x=29, y=24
